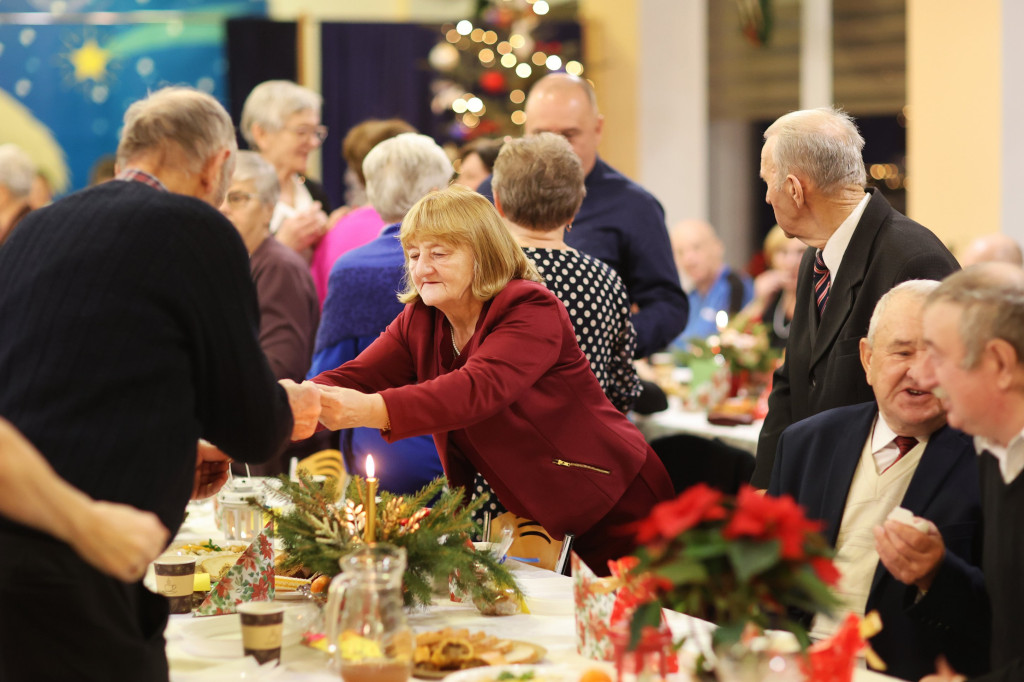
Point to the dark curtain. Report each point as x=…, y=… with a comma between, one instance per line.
x=258, y=50
x=372, y=71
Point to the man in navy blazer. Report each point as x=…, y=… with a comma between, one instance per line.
x=850, y=468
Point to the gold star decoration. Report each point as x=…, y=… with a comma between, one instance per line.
x=90, y=61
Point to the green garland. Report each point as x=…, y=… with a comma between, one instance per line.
x=317, y=532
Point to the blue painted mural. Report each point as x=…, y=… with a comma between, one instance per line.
x=67, y=74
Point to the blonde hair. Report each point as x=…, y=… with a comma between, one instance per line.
x=774, y=241
x=460, y=217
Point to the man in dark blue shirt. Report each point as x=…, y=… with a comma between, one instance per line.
x=619, y=221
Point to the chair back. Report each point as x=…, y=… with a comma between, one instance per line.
x=531, y=542
x=324, y=463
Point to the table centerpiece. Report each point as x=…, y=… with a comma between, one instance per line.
x=748, y=563
x=318, y=531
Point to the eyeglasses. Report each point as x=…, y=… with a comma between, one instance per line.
x=239, y=199
x=319, y=132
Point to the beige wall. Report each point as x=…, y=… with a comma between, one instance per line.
x=954, y=133
x=610, y=54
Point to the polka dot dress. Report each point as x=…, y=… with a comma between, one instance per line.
x=598, y=306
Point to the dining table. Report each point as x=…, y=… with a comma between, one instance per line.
x=550, y=624
x=677, y=419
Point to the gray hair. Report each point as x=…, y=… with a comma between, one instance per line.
x=17, y=170
x=191, y=120
x=991, y=301
x=271, y=103
x=917, y=288
x=823, y=144
x=401, y=171
x=538, y=180
x=252, y=167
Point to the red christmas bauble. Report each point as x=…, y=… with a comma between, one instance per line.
x=492, y=82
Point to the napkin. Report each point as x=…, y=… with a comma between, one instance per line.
x=595, y=601
x=250, y=579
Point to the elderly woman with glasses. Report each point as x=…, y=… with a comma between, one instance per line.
x=484, y=358
x=281, y=120
x=289, y=310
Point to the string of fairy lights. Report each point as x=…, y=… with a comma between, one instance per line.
x=492, y=60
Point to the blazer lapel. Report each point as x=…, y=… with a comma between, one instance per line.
x=851, y=273
x=849, y=444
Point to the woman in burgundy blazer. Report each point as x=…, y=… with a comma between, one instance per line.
x=486, y=360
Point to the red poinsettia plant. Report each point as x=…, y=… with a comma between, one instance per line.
x=746, y=561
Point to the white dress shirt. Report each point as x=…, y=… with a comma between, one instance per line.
x=1010, y=458
x=835, y=247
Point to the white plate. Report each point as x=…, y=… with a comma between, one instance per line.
x=540, y=673
x=221, y=636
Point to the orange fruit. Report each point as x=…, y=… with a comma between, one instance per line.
x=595, y=675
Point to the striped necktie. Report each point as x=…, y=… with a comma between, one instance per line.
x=904, y=444
x=822, y=283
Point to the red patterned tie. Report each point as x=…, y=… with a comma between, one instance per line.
x=822, y=283
x=904, y=444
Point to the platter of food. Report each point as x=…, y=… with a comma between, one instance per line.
x=442, y=652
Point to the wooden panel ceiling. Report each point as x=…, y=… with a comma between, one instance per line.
x=750, y=82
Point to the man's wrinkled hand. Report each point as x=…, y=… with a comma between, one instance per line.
x=212, y=468
x=911, y=556
x=304, y=400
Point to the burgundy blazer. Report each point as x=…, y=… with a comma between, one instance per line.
x=521, y=401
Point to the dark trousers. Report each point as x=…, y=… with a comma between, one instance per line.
x=60, y=619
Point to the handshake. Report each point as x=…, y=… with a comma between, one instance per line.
x=332, y=406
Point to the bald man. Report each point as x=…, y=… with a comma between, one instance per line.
x=700, y=257
x=619, y=221
x=991, y=248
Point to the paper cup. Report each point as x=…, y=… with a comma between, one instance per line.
x=262, y=629
x=175, y=579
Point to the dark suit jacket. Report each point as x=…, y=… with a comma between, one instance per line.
x=520, y=398
x=815, y=464
x=822, y=368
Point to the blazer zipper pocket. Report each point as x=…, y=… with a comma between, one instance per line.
x=578, y=465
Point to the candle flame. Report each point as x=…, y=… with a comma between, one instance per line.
x=369, y=467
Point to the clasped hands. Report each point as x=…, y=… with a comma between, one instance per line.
x=345, y=408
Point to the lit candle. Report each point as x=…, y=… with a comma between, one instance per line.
x=371, y=501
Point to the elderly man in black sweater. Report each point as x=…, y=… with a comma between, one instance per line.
x=129, y=332
x=974, y=331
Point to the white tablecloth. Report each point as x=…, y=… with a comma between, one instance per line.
x=677, y=420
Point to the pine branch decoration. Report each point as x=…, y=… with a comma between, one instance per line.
x=317, y=532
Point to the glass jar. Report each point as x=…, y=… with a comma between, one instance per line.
x=649, y=661
x=368, y=636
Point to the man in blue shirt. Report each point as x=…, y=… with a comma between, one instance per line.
x=619, y=221
x=699, y=255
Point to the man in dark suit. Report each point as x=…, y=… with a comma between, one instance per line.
x=811, y=162
x=851, y=466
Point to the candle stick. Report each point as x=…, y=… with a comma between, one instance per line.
x=371, y=501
